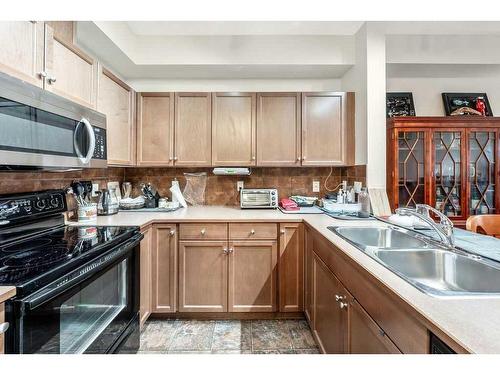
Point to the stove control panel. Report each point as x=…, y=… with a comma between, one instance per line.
x=43, y=203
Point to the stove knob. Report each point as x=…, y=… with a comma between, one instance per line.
x=54, y=202
x=40, y=204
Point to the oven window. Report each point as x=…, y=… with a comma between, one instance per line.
x=28, y=129
x=85, y=315
x=87, y=318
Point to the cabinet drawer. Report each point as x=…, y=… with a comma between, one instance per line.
x=253, y=231
x=203, y=231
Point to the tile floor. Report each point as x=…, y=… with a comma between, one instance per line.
x=227, y=337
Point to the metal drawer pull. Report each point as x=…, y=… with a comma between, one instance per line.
x=172, y=232
x=339, y=298
x=282, y=231
x=252, y=231
x=231, y=250
x=343, y=305
x=4, y=327
x=202, y=232
x=225, y=251
x=51, y=80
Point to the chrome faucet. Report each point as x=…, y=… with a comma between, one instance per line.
x=445, y=227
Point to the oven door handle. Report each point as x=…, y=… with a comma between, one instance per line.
x=84, y=272
x=90, y=152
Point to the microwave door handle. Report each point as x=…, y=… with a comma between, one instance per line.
x=85, y=159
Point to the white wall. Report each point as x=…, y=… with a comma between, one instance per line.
x=427, y=90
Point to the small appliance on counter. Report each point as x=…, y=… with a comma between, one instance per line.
x=77, y=287
x=108, y=202
x=258, y=198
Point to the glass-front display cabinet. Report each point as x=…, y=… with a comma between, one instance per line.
x=450, y=163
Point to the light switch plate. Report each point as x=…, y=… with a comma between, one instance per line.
x=240, y=185
x=315, y=186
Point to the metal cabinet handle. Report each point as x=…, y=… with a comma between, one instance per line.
x=202, y=232
x=51, y=80
x=231, y=250
x=343, y=305
x=339, y=298
x=42, y=74
x=282, y=231
x=252, y=231
x=303, y=158
x=175, y=157
x=4, y=327
x=172, y=232
x=225, y=251
x=170, y=158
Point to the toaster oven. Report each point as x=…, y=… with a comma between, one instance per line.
x=259, y=198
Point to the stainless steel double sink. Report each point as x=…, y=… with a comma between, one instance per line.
x=421, y=261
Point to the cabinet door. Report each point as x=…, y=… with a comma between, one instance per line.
x=117, y=101
x=308, y=276
x=193, y=129
x=22, y=50
x=328, y=128
x=155, y=129
x=164, y=268
x=330, y=317
x=365, y=336
x=145, y=275
x=482, y=159
x=252, y=276
x=70, y=72
x=448, y=183
x=291, y=267
x=278, y=129
x=203, y=276
x=233, y=129
x=411, y=168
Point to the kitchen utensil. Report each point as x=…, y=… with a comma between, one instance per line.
x=78, y=191
x=126, y=190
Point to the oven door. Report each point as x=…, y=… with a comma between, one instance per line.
x=92, y=316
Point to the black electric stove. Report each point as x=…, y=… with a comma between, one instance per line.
x=69, y=280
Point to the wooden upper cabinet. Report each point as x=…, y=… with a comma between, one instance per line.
x=252, y=276
x=291, y=266
x=365, y=336
x=155, y=127
x=203, y=276
x=328, y=128
x=70, y=72
x=233, y=129
x=145, y=275
x=22, y=50
x=117, y=101
x=330, y=319
x=193, y=129
x=278, y=129
x=164, y=275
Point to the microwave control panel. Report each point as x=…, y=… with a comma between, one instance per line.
x=100, y=143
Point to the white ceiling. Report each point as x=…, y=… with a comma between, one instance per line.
x=159, y=28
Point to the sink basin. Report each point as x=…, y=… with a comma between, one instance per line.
x=382, y=238
x=435, y=271
x=442, y=272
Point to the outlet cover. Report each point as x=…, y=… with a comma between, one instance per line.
x=315, y=186
x=95, y=187
x=240, y=185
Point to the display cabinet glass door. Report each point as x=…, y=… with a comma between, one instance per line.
x=482, y=172
x=411, y=168
x=447, y=172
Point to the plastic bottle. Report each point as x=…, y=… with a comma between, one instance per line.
x=364, y=200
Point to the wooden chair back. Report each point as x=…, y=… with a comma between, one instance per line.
x=484, y=224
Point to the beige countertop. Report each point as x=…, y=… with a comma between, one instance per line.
x=7, y=292
x=473, y=322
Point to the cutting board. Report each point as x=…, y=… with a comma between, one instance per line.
x=379, y=202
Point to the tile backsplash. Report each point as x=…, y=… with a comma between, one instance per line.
x=220, y=190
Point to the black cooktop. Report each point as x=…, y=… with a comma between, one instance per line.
x=33, y=262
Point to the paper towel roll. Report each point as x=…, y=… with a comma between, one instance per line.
x=177, y=195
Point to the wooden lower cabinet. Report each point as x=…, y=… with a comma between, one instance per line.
x=164, y=270
x=366, y=337
x=145, y=275
x=252, y=276
x=291, y=267
x=203, y=276
x=308, y=273
x=2, y=320
x=330, y=327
